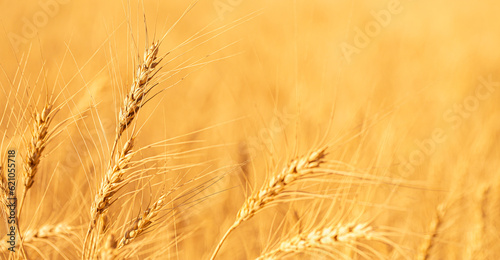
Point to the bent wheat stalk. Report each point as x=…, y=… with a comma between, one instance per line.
x=296, y=170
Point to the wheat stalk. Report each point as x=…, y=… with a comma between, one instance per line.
x=324, y=238
x=297, y=169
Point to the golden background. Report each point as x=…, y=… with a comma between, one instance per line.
x=249, y=85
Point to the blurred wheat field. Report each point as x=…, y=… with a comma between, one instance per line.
x=250, y=129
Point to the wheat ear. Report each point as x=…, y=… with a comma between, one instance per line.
x=297, y=169
x=429, y=241
x=45, y=232
x=39, y=138
x=322, y=238
x=143, y=222
x=134, y=100
x=113, y=181
x=109, y=252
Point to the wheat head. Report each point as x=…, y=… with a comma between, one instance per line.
x=139, y=88
x=142, y=222
x=430, y=239
x=297, y=169
x=325, y=238
x=37, y=144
